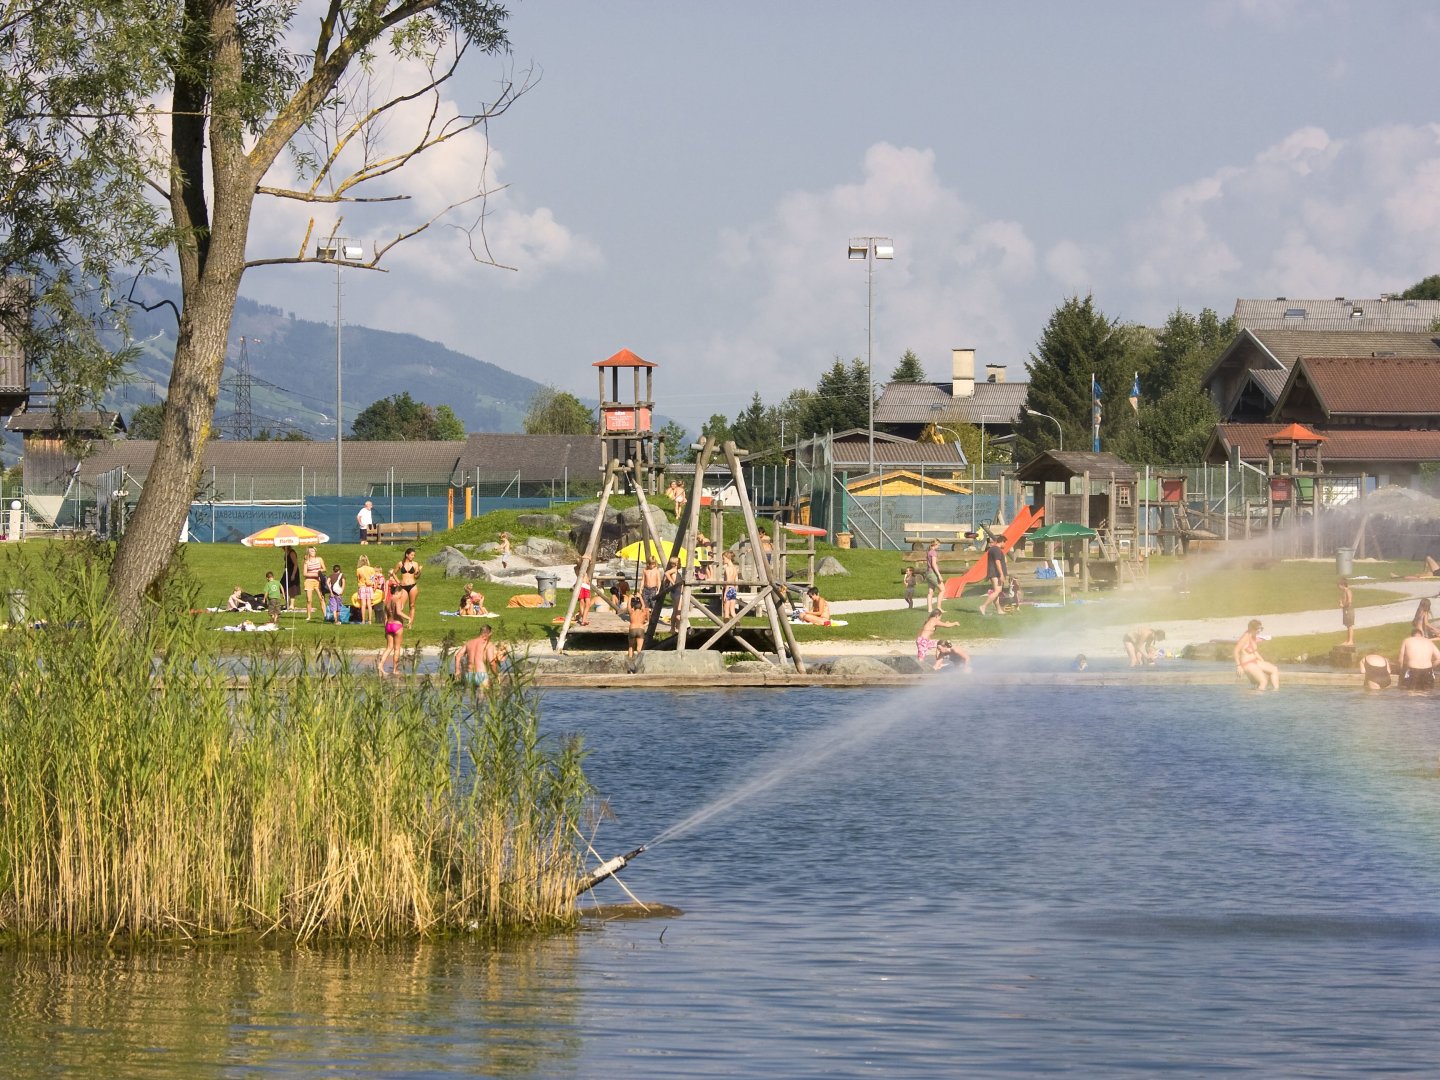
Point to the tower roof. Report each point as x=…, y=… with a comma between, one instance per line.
x=624, y=358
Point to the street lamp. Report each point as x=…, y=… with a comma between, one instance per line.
x=339, y=250
x=870, y=248
x=1047, y=416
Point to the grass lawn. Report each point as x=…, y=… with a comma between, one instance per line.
x=1213, y=587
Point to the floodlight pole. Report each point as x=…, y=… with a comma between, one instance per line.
x=870, y=248
x=339, y=250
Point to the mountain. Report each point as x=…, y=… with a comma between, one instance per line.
x=292, y=370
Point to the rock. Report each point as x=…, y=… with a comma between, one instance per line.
x=446, y=557
x=830, y=566
x=542, y=547
x=583, y=663
x=543, y=522
x=859, y=665
x=584, y=515
x=470, y=571
x=699, y=663
x=902, y=665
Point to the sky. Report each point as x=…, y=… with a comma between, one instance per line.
x=682, y=179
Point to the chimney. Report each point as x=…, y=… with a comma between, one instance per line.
x=962, y=373
x=994, y=372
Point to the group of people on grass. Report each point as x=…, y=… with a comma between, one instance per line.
x=395, y=593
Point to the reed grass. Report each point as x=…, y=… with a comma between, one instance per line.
x=142, y=794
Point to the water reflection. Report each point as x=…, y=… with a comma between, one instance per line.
x=456, y=1006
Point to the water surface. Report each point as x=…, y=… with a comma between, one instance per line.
x=949, y=881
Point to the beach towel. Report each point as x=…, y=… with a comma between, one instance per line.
x=486, y=615
x=527, y=600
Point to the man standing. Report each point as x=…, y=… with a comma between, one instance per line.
x=365, y=519
x=1347, y=611
x=476, y=660
x=638, y=621
x=1418, y=657
x=996, y=571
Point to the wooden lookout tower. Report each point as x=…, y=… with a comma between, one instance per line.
x=625, y=424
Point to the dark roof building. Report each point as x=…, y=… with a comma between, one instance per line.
x=908, y=408
x=1384, y=313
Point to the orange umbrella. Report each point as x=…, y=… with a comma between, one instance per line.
x=285, y=536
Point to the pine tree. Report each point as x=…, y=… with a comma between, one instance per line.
x=909, y=369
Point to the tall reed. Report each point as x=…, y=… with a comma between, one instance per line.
x=143, y=794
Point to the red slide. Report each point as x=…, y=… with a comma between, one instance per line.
x=1027, y=519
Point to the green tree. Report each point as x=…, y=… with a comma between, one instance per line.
x=716, y=429
x=1424, y=289
x=1177, y=416
x=757, y=428
x=841, y=400
x=1077, y=343
x=402, y=417
x=677, y=442
x=909, y=369
x=290, y=435
x=240, y=87
x=145, y=421
x=558, y=412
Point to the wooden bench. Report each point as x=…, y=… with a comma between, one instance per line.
x=919, y=534
x=388, y=532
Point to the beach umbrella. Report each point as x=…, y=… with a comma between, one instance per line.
x=646, y=549
x=1061, y=530
x=277, y=536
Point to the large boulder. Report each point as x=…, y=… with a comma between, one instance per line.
x=541, y=522
x=542, y=547
x=583, y=516
x=454, y=563
x=830, y=566
x=696, y=663
x=858, y=665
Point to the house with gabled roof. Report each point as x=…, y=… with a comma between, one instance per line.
x=908, y=408
x=1385, y=313
x=1248, y=378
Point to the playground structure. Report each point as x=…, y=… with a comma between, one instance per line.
x=697, y=620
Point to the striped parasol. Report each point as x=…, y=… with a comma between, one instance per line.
x=285, y=536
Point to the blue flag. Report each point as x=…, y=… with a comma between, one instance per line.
x=1135, y=393
x=1097, y=411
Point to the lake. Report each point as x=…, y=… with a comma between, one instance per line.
x=954, y=880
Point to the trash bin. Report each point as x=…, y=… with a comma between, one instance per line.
x=1344, y=561
x=843, y=539
x=545, y=585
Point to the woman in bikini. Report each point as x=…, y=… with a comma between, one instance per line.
x=406, y=591
x=1251, y=664
x=925, y=640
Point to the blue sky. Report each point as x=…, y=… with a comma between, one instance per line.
x=682, y=180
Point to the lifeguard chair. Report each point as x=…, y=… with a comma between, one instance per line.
x=625, y=426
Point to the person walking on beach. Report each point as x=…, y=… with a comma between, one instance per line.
x=909, y=580
x=1251, y=664
x=365, y=521
x=1347, y=611
x=996, y=571
x=1418, y=658
x=933, y=593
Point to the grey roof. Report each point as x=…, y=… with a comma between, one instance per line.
x=1338, y=314
x=534, y=457
x=1058, y=465
x=896, y=453
x=928, y=403
x=1271, y=383
x=47, y=421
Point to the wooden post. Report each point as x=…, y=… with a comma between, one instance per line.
x=588, y=558
x=780, y=630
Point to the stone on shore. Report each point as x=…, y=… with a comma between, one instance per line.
x=698, y=663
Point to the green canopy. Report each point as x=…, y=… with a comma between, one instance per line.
x=1061, y=530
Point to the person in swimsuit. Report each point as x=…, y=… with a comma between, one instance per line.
x=669, y=590
x=337, y=593
x=1376, y=670
x=406, y=590
x=620, y=596
x=818, y=613
x=1251, y=664
x=950, y=657
x=730, y=594
x=908, y=579
x=313, y=568
x=365, y=589
x=637, y=616
x=925, y=640
x=472, y=601
x=476, y=660
x=582, y=590
x=1422, y=621
x=394, y=637
x=504, y=551
x=1347, y=611
x=1140, y=645
x=650, y=581
x=996, y=570
x=1418, y=657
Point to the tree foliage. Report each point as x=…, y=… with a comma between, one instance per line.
x=677, y=442
x=145, y=421
x=840, y=400
x=558, y=412
x=1176, y=416
x=909, y=369
x=402, y=417
x=240, y=87
x=1425, y=289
